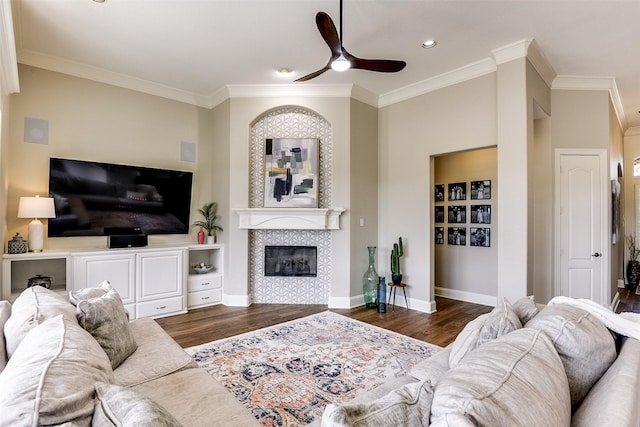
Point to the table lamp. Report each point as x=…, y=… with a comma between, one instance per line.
x=36, y=207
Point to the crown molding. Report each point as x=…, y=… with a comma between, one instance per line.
x=511, y=51
x=594, y=83
x=541, y=63
x=459, y=75
x=633, y=131
x=9, y=80
x=77, y=69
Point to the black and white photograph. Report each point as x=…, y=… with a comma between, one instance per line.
x=457, y=236
x=480, y=214
x=480, y=237
x=438, y=193
x=439, y=235
x=438, y=213
x=481, y=190
x=457, y=214
x=457, y=191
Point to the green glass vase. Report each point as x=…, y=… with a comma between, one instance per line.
x=370, y=280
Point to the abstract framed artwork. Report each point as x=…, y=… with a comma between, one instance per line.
x=457, y=236
x=457, y=191
x=291, y=172
x=480, y=236
x=481, y=190
x=457, y=214
x=481, y=214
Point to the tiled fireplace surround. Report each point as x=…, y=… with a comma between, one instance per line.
x=290, y=122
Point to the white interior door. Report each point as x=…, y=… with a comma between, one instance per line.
x=583, y=219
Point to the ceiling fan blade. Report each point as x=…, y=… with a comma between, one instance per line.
x=380, y=65
x=314, y=74
x=329, y=33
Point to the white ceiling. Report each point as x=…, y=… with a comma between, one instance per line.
x=193, y=50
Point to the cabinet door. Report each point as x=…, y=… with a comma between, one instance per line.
x=160, y=275
x=118, y=269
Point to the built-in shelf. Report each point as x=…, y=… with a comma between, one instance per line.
x=289, y=218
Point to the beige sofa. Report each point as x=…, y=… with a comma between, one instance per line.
x=53, y=371
x=513, y=367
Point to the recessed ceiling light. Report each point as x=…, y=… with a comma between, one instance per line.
x=284, y=71
x=429, y=44
x=99, y=1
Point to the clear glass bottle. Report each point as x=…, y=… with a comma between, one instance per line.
x=370, y=281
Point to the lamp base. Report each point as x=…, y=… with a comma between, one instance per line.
x=36, y=236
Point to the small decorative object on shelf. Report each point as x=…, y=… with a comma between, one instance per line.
x=210, y=213
x=370, y=280
x=396, y=253
x=382, y=296
x=633, y=266
x=39, y=280
x=202, y=268
x=200, y=236
x=17, y=245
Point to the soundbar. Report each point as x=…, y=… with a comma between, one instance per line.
x=127, y=240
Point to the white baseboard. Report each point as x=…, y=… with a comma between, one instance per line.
x=236, y=300
x=472, y=297
x=346, y=302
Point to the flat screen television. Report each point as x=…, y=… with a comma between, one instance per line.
x=92, y=197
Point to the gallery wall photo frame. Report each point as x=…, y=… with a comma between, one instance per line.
x=438, y=214
x=481, y=190
x=438, y=193
x=457, y=236
x=480, y=236
x=457, y=191
x=291, y=172
x=457, y=214
x=439, y=235
x=480, y=214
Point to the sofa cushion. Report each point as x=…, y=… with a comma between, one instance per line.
x=486, y=327
x=50, y=378
x=34, y=305
x=408, y=405
x=119, y=406
x=87, y=293
x=105, y=318
x=526, y=309
x=5, y=312
x=515, y=380
x=584, y=344
x=157, y=355
x=432, y=368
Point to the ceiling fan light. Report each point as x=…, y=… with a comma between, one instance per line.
x=341, y=64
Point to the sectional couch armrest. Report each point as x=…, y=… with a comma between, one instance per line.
x=613, y=400
x=157, y=355
x=434, y=367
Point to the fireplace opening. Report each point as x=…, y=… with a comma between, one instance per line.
x=291, y=261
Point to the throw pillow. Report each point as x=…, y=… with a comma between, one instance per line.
x=409, y=405
x=487, y=327
x=34, y=305
x=105, y=318
x=526, y=309
x=5, y=312
x=119, y=406
x=584, y=344
x=515, y=380
x=50, y=378
x=87, y=293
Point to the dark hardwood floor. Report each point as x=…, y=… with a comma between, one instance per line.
x=213, y=323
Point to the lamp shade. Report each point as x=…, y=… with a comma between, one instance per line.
x=36, y=207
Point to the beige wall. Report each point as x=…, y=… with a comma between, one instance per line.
x=99, y=122
x=616, y=157
x=457, y=118
x=465, y=272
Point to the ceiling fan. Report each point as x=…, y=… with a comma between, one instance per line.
x=342, y=60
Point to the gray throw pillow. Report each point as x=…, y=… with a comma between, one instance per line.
x=584, y=344
x=526, y=309
x=105, y=318
x=119, y=406
x=516, y=380
x=87, y=293
x=487, y=327
x=410, y=405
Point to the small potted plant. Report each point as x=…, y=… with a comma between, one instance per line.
x=210, y=213
x=396, y=253
x=633, y=266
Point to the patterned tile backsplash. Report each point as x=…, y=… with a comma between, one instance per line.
x=290, y=122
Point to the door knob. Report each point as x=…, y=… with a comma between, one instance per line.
x=597, y=254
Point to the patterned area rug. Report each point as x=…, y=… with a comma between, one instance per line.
x=286, y=374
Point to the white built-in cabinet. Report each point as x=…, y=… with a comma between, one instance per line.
x=152, y=281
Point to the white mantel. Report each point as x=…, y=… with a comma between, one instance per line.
x=289, y=218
